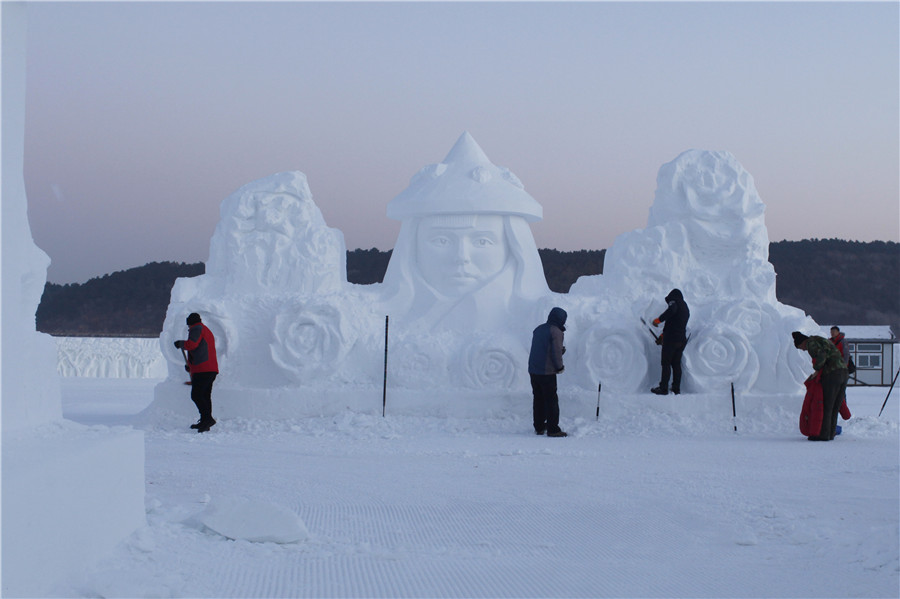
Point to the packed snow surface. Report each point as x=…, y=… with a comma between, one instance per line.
x=658, y=497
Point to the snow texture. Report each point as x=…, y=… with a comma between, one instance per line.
x=110, y=357
x=70, y=493
x=658, y=497
x=464, y=289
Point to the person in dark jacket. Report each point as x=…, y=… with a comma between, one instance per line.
x=829, y=365
x=673, y=340
x=203, y=366
x=544, y=362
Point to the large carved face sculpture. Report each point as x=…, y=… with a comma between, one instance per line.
x=458, y=254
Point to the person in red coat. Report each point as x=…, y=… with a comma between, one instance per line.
x=837, y=337
x=203, y=366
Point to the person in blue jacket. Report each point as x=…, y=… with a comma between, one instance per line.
x=544, y=362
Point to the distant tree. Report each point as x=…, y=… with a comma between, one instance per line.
x=834, y=281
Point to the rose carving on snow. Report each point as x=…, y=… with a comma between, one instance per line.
x=755, y=279
x=310, y=340
x=492, y=364
x=615, y=357
x=416, y=364
x=713, y=195
x=721, y=354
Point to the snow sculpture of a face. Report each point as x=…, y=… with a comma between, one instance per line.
x=465, y=258
x=458, y=254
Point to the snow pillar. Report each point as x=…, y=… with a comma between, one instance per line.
x=70, y=493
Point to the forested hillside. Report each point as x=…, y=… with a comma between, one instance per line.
x=836, y=282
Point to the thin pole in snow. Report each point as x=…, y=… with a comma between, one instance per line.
x=599, y=385
x=384, y=389
x=888, y=394
x=733, y=411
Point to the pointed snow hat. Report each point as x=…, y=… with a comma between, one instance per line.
x=466, y=182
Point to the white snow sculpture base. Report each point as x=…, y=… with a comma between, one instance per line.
x=70, y=494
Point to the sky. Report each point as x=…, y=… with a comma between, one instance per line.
x=142, y=117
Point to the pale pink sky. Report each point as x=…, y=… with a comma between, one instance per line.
x=142, y=117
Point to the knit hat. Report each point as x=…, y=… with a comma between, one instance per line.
x=193, y=318
x=799, y=338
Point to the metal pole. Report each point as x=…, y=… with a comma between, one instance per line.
x=889, y=393
x=733, y=411
x=599, y=385
x=384, y=389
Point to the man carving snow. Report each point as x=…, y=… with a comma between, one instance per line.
x=203, y=366
x=673, y=340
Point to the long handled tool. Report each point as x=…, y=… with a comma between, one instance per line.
x=733, y=411
x=888, y=393
x=384, y=388
x=186, y=365
x=599, y=385
x=652, y=332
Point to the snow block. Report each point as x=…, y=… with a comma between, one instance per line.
x=70, y=495
x=253, y=520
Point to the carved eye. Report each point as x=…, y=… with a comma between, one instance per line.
x=440, y=241
x=484, y=242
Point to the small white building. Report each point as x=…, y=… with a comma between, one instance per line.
x=874, y=351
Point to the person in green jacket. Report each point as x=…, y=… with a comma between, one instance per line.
x=827, y=362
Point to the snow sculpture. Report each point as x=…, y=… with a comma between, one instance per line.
x=465, y=257
x=272, y=239
x=706, y=236
x=465, y=287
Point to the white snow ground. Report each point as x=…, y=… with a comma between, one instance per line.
x=657, y=498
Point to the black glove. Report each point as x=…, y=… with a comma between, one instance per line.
x=179, y=344
x=659, y=340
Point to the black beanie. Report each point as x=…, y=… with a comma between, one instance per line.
x=798, y=338
x=193, y=318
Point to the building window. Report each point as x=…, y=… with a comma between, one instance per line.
x=868, y=360
x=871, y=347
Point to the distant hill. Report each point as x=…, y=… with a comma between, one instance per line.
x=834, y=281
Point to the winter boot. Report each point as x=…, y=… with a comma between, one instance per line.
x=558, y=434
x=659, y=390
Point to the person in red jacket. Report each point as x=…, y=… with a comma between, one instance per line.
x=837, y=337
x=203, y=366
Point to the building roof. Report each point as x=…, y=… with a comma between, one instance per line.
x=854, y=332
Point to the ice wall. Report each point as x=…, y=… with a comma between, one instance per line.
x=70, y=493
x=30, y=388
x=465, y=287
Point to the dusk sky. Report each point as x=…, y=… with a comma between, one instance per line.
x=142, y=117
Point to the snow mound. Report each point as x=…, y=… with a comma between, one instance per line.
x=253, y=520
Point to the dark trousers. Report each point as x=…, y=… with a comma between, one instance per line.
x=546, y=403
x=671, y=365
x=834, y=388
x=201, y=393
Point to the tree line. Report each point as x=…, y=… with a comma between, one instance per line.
x=834, y=281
